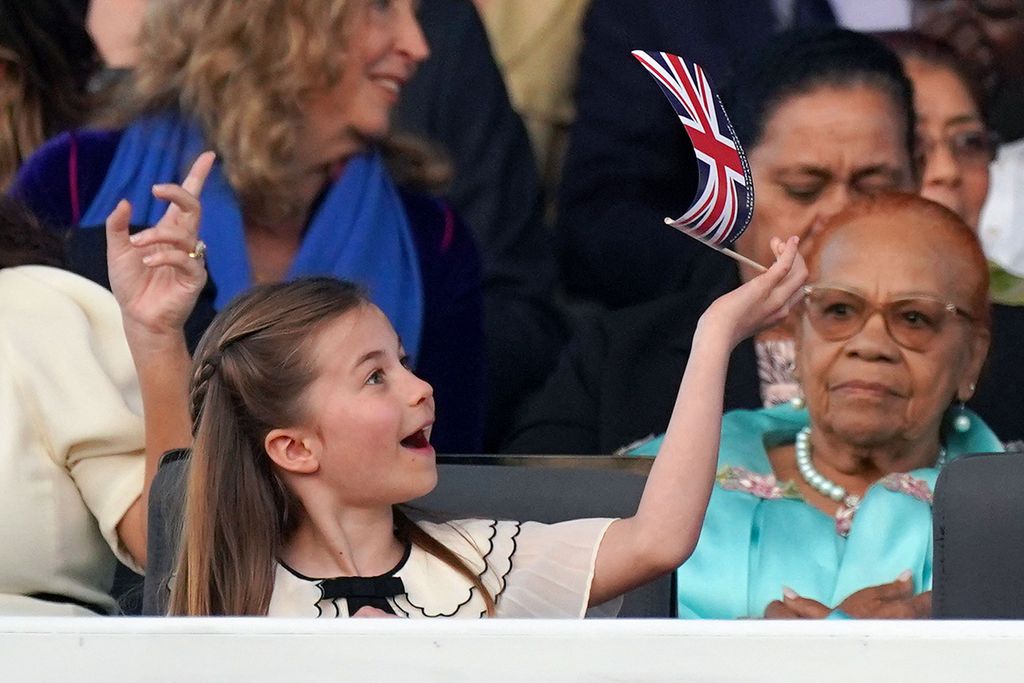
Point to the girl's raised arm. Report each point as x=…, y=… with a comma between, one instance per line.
x=666, y=526
x=156, y=276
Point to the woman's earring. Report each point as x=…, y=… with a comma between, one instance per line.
x=962, y=421
x=797, y=402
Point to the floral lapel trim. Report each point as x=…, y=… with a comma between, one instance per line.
x=767, y=487
x=764, y=486
x=901, y=482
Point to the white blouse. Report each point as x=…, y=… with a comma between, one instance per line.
x=530, y=569
x=71, y=440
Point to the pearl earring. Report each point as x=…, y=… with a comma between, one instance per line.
x=797, y=402
x=962, y=421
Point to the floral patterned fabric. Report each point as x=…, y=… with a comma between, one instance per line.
x=776, y=369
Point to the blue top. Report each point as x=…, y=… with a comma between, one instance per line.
x=754, y=543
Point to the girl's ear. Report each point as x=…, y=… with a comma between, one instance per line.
x=293, y=450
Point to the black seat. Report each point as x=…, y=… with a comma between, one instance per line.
x=978, y=526
x=537, y=488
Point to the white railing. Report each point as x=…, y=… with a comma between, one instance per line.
x=253, y=650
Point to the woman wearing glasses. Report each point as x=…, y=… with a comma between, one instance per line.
x=955, y=147
x=822, y=506
x=955, y=151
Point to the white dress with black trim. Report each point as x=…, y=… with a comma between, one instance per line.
x=531, y=570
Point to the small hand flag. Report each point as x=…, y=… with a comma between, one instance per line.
x=724, y=201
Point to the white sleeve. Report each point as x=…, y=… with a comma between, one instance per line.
x=552, y=571
x=78, y=371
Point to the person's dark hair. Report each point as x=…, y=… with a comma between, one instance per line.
x=23, y=241
x=930, y=50
x=48, y=59
x=800, y=61
x=250, y=372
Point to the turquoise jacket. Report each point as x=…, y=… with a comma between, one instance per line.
x=754, y=543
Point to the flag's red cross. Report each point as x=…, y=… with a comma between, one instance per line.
x=704, y=138
x=713, y=217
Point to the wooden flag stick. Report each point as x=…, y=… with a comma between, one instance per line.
x=742, y=259
x=728, y=252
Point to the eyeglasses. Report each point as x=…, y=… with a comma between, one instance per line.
x=968, y=148
x=913, y=322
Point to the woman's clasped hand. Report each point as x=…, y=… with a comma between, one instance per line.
x=894, y=600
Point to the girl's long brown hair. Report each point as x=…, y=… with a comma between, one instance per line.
x=250, y=373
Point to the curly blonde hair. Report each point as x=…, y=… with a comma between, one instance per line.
x=242, y=69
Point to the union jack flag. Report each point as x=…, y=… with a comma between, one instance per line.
x=724, y=201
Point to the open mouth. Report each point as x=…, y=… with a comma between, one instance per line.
x=417, y=439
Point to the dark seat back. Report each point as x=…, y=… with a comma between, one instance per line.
x=978, y=525
x=536, y=488
x=166, y=507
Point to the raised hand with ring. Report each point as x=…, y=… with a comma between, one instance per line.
x=157, y=274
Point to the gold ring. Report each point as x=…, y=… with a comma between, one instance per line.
x=198, y=251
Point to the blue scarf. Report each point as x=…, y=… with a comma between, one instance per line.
x=359, y=231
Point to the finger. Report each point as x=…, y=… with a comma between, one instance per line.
x=172, y=235
x=178, y=260
x=792, y=287
x=796, y=274
x=187, y=203
x=900, y=589
x=796, y=297
x=118, y=223
x=788, y=289
x=805, y=608
x=778, y=270
x=786, y=256
x=914, y=607
x=922, y=605
x=777, y=610
x=784, y=252
x=196, y=178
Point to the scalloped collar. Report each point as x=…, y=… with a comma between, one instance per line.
x=432, y=588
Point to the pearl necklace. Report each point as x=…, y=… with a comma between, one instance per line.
x=848, y=503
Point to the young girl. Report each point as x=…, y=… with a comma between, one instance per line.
x=309, y=430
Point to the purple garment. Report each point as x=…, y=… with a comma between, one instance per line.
x=452, y=347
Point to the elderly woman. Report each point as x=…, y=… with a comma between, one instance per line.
x=828, y=508
x=295, y=98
